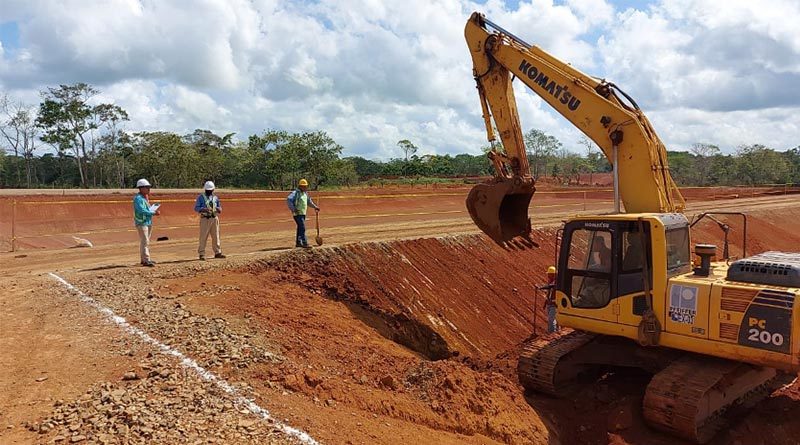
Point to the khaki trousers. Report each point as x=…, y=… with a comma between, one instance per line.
x=144, y=242
x=209, y=226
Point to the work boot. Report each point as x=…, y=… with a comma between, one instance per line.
x=202, y=257
x=306, y=246
x=148, y=263
x=219, y=255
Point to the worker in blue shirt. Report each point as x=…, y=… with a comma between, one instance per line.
x=298, y=202
x=143, y=220
x=208, y=206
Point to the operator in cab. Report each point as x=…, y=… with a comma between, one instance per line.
x=600, y=256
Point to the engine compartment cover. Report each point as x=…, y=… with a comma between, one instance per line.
x=774, y=268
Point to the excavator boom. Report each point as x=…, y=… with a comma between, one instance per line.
x=500, y=207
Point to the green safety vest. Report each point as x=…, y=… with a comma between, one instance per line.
x=300, y=203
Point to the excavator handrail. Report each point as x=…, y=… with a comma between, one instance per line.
x=505, y=32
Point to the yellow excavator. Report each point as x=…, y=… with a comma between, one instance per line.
x=715, y=337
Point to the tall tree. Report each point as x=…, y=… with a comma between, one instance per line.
x=705, y=154
x=792, y=157
x=758, y=164
x=292, y=156
x=65, y=118
x=541, y=148
x=3, y=180
x=365, y=168
x=211, y=148
x=469, y=165
x=409, y=149
x=18, y=129
x=341, y=172
x=319, y=152
x=115, y=143
x=167, y=160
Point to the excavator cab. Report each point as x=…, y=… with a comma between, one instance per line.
x=500, y=209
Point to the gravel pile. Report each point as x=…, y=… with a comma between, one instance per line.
x=209, y=341
x=156, y=404
x=161, y=401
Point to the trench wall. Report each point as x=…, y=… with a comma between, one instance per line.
x=467, y=296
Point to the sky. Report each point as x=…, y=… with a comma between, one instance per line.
x=373, y=72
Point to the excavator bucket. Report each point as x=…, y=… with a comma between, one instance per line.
x=500, y=209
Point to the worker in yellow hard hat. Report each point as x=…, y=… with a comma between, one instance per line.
x=550, y=299
x=298, y=202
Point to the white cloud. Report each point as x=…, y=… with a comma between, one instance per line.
x=593, y=12
x=774, y=127
x=372, y=72
x=716, y=71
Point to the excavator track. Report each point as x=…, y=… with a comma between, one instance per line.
x=691, y=396
x=543, y=362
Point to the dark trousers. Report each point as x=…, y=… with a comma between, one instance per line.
x=300, y=239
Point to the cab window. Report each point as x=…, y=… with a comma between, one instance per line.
x=635, y=250
x=589, y=263
x=678, y=259
x=633, y=253
x=590, y=250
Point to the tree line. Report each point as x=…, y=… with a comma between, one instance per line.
x=91, y=147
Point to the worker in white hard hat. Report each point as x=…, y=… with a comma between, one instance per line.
x=143, y=219
x=298, y=202
x=208, y=206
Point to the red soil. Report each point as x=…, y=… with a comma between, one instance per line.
x=105, y=217
x=427, y=332
x=365, y=387
x=410, y=341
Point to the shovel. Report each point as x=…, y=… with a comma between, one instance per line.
x=318, y=239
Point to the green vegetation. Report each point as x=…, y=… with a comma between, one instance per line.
x=92, y=149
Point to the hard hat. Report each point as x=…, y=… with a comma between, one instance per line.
x=209, y=185
x=551, y=269
x=142, y=183
x=303, y=182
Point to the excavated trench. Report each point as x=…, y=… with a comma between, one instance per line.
x=460, y=307
x=465, y=295
x=412, y=330
x=440, y=297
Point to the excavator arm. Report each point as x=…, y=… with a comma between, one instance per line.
x=500, y=207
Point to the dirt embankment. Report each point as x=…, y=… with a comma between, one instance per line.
x=467, y=300
x=441, y=297
x=360, y=338
x=407, y=341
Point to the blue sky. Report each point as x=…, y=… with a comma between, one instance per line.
x=372, y=73
x=9, y=34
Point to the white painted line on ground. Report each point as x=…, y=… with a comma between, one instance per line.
x=187, y=362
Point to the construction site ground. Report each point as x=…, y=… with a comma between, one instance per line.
x=403, y=328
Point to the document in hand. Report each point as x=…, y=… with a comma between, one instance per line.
x=154, y=207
